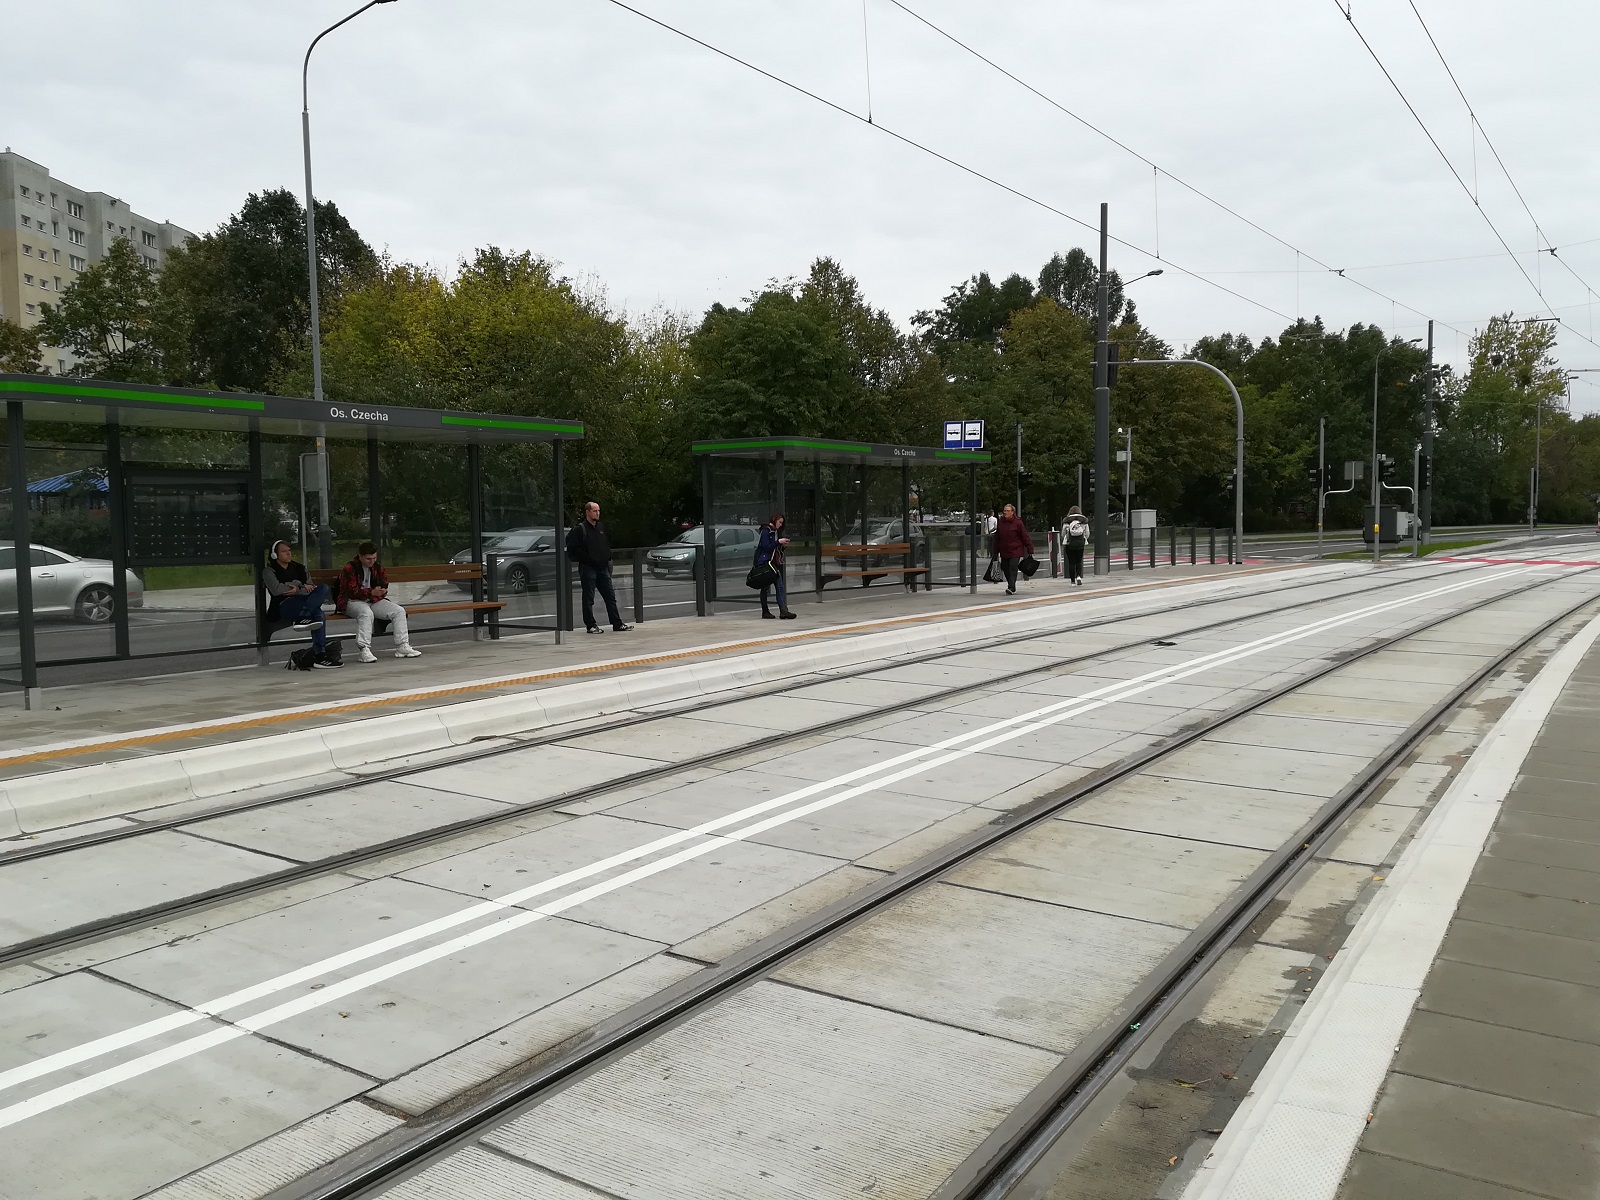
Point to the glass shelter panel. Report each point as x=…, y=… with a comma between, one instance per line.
x=519, y=529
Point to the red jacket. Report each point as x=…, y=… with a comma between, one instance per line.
x=1011, y=538
x=350, y=583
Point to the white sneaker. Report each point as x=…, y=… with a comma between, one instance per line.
x=406, y=651
x=367, y=655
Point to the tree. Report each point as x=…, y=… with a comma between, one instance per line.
x=109, y=319
x=239, y=297
x=1071, y=280
x=19, y=348
x=974, y=313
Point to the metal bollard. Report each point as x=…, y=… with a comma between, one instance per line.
x=699, y=584
x=1152, y=548
x=1172, y=545
x=1231, y=548
x=1194, y=536
x=1128, y=538
x=1213, y=534
x=638, y=585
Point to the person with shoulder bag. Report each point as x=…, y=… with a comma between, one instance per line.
x=1011, y=545
x=769, y=567
x=1074, y=537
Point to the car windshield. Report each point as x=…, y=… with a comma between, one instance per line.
x=692, y=537
x=512, y=542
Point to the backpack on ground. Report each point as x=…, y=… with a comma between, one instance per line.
x=301, y=660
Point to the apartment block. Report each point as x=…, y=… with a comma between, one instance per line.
x=50, y=231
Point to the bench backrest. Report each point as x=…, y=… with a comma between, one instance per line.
x=848, y=548
x=412, y=573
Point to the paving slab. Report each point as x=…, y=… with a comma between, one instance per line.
x=1377, y=1177
x=971, y=959
x=1523, y=910
x=1492, y=1058
x=887, y=1104
x=670, y=907
x=1539, y=1149
x=1183, y=808
x=537, y=773
x=970, y=779
x=1372, y=837
x=1573, y=845
x=154, y=1127
x=670, y=739
x=1488, y=994
x=1372, y=711
x=472, y=839
x=1363, y=740
x=1525, y=951
x=1317, y=906
x=51, y=894
x=1114, y=871
x=474, y=1174
x=1304, y=772
x=776, y=914
x=925, y=841
x=1569, y=798
x=780, y=714
x=1536, y=879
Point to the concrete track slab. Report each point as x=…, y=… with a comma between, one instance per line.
x=1371, y=839
x=972, y=959
x=781, y=714
x=1305, y=772
x=925, y=841
x=669, y=739
x=51, y=894
x=876, y=692
x=1410, y=669
x=936, y=675
x=1114, y=871
x=1209, y=812
x=1365, y=688
x=474, y=1174
x=1505, y=1062
x=1317, y=906
x=537, y=773
x=21, y=975
x=1059, y=687
x=1283, y=732
x=1416, y=786
x=321, y=826
x=968, y=780
x=539, y=1035
x=888, y=1104
x=669, y=908
x=849, y=830
x=499, y=831
x=751, y=926
x=155, y=1127
x=1371, y=711
x=1041, y=785
x=1538, y=1149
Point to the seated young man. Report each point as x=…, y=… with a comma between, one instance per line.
x=364, y=595
x=294, y=599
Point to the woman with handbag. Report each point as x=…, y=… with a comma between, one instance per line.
x=1011, y=545
x=1074, y=536
x=769, y=565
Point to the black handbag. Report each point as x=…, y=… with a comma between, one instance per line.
x=1028, y=566
x=762, y=575
x=992, y=575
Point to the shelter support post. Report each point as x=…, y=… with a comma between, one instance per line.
x=708, y=540
x=256, y=536
x=116, y=517
x=563, y=583
x=816, y=520
x=972, y=528
x=16, y=437
x=475, y=526
x=862, y=486
x=905, y=525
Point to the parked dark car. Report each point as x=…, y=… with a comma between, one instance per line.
x=736, y=551
x=885, y=533
x=527, y=560
x=65, y=585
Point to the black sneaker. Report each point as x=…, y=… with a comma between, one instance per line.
x=594, y=629
x=325, y=663
x=621, y=628
x=306, y=622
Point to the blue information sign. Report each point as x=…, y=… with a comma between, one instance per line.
x=963, y=435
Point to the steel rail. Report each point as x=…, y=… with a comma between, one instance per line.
x=153, y=914
x=363, y=1171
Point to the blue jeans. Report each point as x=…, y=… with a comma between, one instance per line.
x=309, y=604
x=778, y=582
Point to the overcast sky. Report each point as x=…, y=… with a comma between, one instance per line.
x=649, y=166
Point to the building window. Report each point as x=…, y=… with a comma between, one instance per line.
x=27, y=249
x=58, y=283
x=27, y=279
x=111, y=224
x=77, y=263
x=52, y=199
x=74, y=209
x=27, y=224
x=55, y=256
x=75, y=236
x=149, y=262
x=122, y=231
x=24, y=193
x=149, y=238
x=30, y=309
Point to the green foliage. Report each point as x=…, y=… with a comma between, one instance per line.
x=111, y=319
x=19, y=348
x=80, y=531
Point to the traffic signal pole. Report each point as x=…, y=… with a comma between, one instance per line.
x=1102, y=412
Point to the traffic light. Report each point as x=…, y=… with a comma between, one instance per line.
x=1385, y=468
x=1088, y=483
x=1315, y=475
x=1228, y=481
x=1424, y=471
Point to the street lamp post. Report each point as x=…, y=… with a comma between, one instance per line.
x=324, y=534
x=1238, y=451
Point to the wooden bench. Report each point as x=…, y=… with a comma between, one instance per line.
x=867, y=573
x=470, y=573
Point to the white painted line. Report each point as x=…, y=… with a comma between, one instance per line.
x=1310, y=1103
x=915, y=761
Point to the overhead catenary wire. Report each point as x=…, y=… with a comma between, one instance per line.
x=924, y=148
x=1156, y=167
x=1445, y=158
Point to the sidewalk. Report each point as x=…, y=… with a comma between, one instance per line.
x=1452, y=1052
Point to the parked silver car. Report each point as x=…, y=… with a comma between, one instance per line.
x=65, y=585
x=736, y=551
x=527, y=560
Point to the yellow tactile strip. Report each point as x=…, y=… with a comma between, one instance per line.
x=345, y=707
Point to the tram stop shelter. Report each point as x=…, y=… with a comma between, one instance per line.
x=841, y=499
x=150, y=510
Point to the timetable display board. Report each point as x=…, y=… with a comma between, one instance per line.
x=178, y=517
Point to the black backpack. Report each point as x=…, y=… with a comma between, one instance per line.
x=301, y=660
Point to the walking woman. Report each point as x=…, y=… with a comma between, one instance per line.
x=1011, y=543
x=1074, y=536
x=770, y=549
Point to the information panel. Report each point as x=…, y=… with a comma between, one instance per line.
x=188, y=516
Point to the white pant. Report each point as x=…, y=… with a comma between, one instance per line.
x=386, y=609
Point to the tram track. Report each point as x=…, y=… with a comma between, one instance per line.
x=993, y=1169
x=146, y=916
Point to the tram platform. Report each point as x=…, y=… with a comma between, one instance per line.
x=126, y=743
x=1452, y=1049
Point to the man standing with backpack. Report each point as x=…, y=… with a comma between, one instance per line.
x=1074, y=536
x=589, y=545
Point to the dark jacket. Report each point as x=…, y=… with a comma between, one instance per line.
x=350, y=583
x=277, y=579
x=767, y=549
x=589, y=544
x=1011, y=538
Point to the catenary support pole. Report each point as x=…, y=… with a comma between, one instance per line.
x=1425, y=496
x=1102, y=411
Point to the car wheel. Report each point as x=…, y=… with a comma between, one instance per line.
x=517, y=579
x=96, y=605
